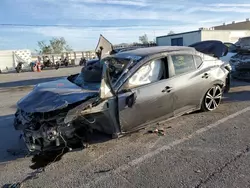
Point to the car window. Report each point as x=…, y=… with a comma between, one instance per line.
x=183, y=63
x=148, y=73
x=198, y=61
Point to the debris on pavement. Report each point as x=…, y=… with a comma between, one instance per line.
x=197, y=171
x=203, y=139
x=14, y=185
x=103, y=171
x=159, y=131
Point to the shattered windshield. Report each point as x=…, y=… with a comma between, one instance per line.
x=90, y=76
x=79, y=80
x=116, y=66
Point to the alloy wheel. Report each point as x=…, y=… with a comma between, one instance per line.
x=213, y=98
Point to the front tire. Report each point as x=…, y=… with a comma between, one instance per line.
x=212, y=99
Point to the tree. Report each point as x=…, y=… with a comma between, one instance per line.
x=56, y=45
x=171, y=33
x=43, y=48
x=143, y=39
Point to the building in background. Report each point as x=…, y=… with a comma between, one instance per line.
x=187, y=38
x=225, y=33
x=245, y=25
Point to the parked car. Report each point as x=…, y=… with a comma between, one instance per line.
x=243, y=43
x=137, y=88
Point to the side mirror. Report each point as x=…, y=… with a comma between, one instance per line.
x=125, y=88
x=130, y=100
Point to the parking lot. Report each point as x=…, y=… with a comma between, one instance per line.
x=199, y=150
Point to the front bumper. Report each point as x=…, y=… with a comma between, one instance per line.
x=30, y=146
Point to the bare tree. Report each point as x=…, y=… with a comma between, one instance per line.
x=44, y=48
x=171, y=33
x=143, y=39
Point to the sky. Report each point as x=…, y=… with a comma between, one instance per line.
x=81, y=22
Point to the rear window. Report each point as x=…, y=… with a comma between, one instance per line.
x=183, y=63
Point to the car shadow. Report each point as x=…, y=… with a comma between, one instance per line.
x=240, y=91
x=44, y=159
x=237, y=96
x=12, y=146
x=238, y=83
x=25, y=83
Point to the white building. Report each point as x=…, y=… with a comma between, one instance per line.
x=188, y=38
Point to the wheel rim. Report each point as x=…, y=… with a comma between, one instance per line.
x=213, y=98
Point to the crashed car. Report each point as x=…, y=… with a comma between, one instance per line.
x=137, y=88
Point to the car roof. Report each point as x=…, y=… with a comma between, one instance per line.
x=155, y=50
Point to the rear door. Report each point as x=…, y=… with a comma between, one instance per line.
x=142, y=101
x=190, y=82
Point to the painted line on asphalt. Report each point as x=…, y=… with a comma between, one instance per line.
x=167, y=147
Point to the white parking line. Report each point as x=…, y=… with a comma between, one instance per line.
x=167, y=147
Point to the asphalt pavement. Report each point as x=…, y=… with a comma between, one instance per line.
x=199, y=150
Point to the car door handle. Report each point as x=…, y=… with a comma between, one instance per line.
x=167, y=89
x=205, y=75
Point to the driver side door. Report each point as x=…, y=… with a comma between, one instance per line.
x=147, y=101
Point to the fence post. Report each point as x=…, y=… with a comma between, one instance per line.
x=75, y=55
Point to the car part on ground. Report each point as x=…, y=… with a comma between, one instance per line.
x=170, y=81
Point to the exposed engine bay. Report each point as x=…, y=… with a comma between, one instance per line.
x=48, y=130
x=65, y=128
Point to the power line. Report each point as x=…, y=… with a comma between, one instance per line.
x=38, y=25
x=74, y=26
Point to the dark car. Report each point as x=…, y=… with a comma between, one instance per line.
x=137, y=88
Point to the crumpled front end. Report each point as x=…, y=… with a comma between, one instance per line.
x=45, y=131
x=69, y=127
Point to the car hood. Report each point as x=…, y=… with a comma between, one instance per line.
x=103, y=48
x=50, y=96
x=228, y=57
x=211, y=47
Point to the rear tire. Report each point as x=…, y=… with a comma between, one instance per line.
x=212, y=99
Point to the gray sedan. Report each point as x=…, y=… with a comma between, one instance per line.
x=137, y=88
